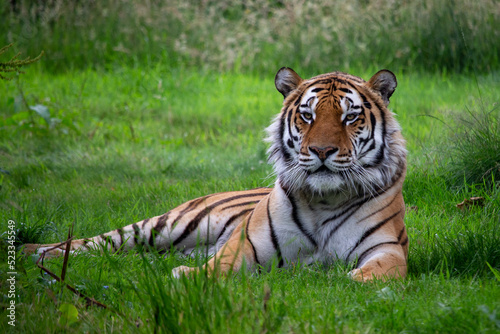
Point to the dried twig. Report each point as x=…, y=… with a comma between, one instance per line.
x=66, y=253
x=89, y=300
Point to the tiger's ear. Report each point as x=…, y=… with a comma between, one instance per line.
x=384, y=82
x=286, y=80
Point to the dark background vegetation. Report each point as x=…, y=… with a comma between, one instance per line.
x=258, y=35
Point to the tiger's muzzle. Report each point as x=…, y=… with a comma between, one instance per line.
x=328, y=159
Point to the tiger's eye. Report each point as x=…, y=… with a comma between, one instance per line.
x=307, y=116
x=350, y=117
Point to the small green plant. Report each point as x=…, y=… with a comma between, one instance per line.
x=29, y=233
x=15, y=64
x=25, y=120
x=38, y=118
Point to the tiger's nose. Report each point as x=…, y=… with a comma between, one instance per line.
x=323, y=152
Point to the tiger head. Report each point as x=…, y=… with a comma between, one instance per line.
x=335, y=133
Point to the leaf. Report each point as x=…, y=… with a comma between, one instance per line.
x=69, y=314
x=387, y=294
x=43, y=111
x=473, y=201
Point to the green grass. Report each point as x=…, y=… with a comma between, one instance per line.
x=133, y=143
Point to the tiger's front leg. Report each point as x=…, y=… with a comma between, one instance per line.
x=387, y=262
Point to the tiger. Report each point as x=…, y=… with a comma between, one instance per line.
x=340, y=162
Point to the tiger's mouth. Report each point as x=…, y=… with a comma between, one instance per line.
x=323, y=169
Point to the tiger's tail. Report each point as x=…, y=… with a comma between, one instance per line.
x=206, y=221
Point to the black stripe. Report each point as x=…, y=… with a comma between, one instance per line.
x=366, y=104
x=384, y=207
x=85, y=242
x=401, y=234
x=321, y=102
x=325, y=81
x=373, y=121
x=281, y=149
x=404, y=242
x=274, y=238
x=247, y=236
x=249, y=203
x=120, y=233
x=372, y=230
x=371, y=148
x=369, y=250
x=231, y=220
x=360, y=203
x=188, y=208
x=371, y=137
x=298, y=99
x=144, y=222
x=289, y=121
x=158, y=228
x=112, y=243
x=379, y=157
x=193, y=224
x=363, y=142
x=284, y=187
x=355, y=205
x=380, y=154
x=274, y=152
x=297, y=129
x=338, y=215
x=136, y=233
x=296, y=220
x=109, y=239
x=335, y=229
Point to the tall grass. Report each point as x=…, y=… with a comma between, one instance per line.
x=473, y=152
x=258, y=35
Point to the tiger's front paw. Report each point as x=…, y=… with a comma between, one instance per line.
x=183, y=270
x=360, y=276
